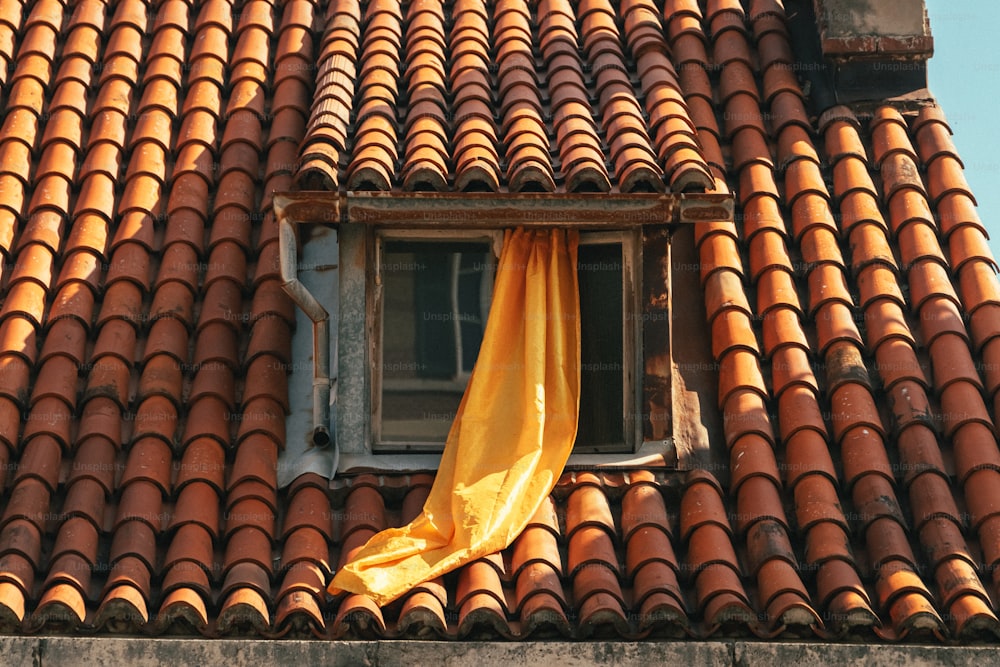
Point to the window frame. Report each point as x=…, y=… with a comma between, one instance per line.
x=375, y=293
x=630, y=241
x=678, y=415
x=631, y=360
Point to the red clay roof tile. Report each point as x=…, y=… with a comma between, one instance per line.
x=14, y=379
x=183, y=608
x=806, y=454
x=358, y=616
x=540, y=601
x=125, y=606
x=896, y=362
x=828, y=542
x=701, y=504
x=709, y=545
x=201, y=161
x=790, y=366
x=203, y=461
x=62, y=604
x=197, y=503
x=156, y=416
x=747, y=414
x=300, y=595
x=252, y=489
x=247, y=544
x=481, y=579
x=751, y=457
x=306, y=543
x=245, y=606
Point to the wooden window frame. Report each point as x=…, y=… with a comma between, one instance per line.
x=367, y=452
x=631, y=360
x=675, y=386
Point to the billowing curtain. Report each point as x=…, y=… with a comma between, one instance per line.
x=513, y=432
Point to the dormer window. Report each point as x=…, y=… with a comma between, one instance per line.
x=414, y=277
x=430, y=299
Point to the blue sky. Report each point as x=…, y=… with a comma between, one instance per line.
x=965, y=77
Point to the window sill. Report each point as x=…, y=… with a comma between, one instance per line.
x=652, y=454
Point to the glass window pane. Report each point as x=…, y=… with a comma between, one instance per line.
x=599, y=268
x=436, y=296
x=435, y=301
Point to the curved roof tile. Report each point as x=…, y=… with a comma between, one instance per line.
x=144, y=336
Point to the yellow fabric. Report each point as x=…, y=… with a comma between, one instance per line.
x=513, y=431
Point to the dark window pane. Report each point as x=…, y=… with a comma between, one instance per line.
x=435, y=299
x=600, y=274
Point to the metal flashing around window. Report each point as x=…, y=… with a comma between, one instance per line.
x=359, y=219
x=415, y=210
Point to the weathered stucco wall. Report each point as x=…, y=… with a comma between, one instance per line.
x=41, y=651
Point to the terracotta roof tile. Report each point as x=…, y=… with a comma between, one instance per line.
x=481, y=601
x=306, y=560
x=422, y=613
x=183, y=609
x=816, y=500
x=261, y=493
x=144, y=335
x=540, y=602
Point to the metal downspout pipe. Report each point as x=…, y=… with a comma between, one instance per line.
x=303, y=298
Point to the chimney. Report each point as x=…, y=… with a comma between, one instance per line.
x=877, y=49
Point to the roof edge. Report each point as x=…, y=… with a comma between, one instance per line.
x=102, y=650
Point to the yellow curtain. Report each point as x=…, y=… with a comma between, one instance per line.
x=513, y=431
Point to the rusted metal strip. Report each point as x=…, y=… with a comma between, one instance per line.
x=705, y=208
x=490, y=210
x=309, y=207
x=432, y=210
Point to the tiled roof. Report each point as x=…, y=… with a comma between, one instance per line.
x=423, y=95
x=144, y=336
